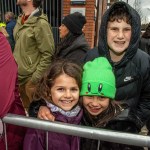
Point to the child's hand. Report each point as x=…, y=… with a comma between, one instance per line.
x=44, y=113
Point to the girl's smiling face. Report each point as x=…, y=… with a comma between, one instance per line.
x=95, y=104
x=65, y=92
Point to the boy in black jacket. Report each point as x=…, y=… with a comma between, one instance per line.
x=118, y=41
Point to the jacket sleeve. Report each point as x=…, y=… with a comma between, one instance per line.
x=45, y=44
x=143, y=108
x=34, y=107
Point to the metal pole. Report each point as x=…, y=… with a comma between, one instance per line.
x=5, y=132
x=78, y=130
x=47, y=140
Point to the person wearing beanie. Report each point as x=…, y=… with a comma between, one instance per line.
x=98, y=83
x=73, y=45
x=98, y=92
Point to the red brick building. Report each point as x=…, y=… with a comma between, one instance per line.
x=93, y=11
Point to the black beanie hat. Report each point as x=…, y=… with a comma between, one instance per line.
x=74, y=22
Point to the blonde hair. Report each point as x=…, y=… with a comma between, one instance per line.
x=10, y=15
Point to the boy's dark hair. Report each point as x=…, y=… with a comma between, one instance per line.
x=57, y=68
x=120, y=12
x=37, y=3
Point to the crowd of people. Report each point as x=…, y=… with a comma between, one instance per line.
x=105, y=87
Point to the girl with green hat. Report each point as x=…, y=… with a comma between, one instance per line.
x=100, y=109
x=98, y=92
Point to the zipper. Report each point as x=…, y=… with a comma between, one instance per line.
x=30, y=60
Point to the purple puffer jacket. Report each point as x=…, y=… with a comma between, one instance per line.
x=36, y=139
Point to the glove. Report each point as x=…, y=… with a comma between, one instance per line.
x=34, y=107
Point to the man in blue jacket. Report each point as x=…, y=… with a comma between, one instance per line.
x=10, y=24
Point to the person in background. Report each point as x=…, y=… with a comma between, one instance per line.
x=145, y=40
x=59, y=88
x=10, y=24
x=119, y=38
x=34, y=47
x=73, y=44
x=10, y=101
x=145, y=46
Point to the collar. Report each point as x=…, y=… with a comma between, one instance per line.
x=34, y=12
x=72, y=113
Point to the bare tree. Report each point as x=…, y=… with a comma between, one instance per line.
x=137, y=7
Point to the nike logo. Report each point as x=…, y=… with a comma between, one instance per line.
x=127, y=79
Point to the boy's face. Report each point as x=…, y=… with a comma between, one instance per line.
x=118, y=38
x=95, y=104
x=65, y=92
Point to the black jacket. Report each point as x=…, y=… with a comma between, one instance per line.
x=132, y=72
x=145, y=45
x=118, y=123
x=76, y=51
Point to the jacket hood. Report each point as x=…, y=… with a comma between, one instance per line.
x=135, y=37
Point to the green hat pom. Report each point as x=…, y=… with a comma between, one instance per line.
x=98, y=79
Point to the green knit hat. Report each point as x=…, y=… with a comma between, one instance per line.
x=98, y=79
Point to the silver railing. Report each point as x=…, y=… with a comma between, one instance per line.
x=78, y=130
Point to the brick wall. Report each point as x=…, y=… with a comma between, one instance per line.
x=89, y=29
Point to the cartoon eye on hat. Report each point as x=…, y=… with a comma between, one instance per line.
x=100, y=87
x=89, y=87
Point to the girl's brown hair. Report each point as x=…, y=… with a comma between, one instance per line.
x=57, y=68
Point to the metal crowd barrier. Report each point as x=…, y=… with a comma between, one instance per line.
x=78, y=130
